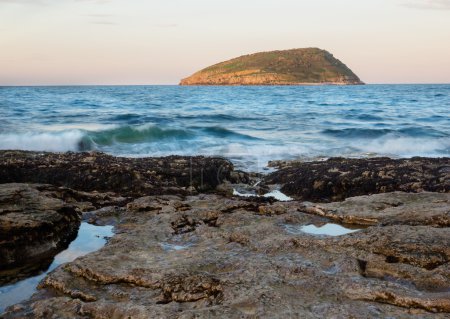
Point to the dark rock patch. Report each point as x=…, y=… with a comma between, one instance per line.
x=125, y=176
x=339, y=178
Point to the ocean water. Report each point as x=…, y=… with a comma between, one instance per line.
x=249, y=125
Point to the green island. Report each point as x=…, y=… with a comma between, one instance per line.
x=308, y=66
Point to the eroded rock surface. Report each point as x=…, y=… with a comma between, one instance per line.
x=34, y=227
x=178, y=253
x=415, y=209
x=338, y=178
x=213, y=256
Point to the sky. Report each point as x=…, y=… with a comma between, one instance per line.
x=66, y=42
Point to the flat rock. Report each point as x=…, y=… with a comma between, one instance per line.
x=415, y=209
x=211, y=256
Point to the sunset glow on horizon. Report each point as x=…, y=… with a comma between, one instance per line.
x=65, y=42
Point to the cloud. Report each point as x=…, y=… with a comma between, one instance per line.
x=37, y=2
x=103, y=22
x=168, y=25
x=428, y=4
x=46, y=2
x=98, y=15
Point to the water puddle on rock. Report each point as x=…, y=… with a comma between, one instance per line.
x=90, y=238
x=275, y=194
x=174, y=247
x=328, y=229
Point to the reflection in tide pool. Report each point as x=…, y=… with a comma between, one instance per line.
x=174, y=247
x=90, y=238
x=329, y=229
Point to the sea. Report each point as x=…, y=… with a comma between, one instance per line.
x=250, y=125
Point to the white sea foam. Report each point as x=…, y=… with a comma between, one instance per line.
x=275, y=194
x=45, y=141
x=93, y=127
x=407, y=146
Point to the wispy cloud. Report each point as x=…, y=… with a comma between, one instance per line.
x=428, y=4
x=46, y=2
x=166, y=25
x=103, y=22
x=98, y=15
x=37, y=2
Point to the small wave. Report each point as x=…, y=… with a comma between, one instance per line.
x=126, y=117
x=376, y=133
x=220, y=132
x=133, y=134
x=49, y=141
x=422, y=132
x=408, y=146
x=219, y=117
x=432, y=119
x=369, y=117
x=357, y=132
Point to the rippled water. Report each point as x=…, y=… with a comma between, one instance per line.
x=250, y=125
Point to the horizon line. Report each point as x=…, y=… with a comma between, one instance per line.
x=104, y=85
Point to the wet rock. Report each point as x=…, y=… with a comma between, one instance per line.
x=236, y=259
x=109, y=215
x=415, y=209
x=125, y=176
x=338, y=178
x=34, y=227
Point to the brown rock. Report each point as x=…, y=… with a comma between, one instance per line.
x=394, y=208
x=34, y=227
x=211, y=256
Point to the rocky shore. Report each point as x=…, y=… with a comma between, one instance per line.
x=185, y=247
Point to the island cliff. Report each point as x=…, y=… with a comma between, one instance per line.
x=309, y=66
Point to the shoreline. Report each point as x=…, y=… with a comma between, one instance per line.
x=184, y=244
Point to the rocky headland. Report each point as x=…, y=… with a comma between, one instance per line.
x=308, y=66
x=185, y=247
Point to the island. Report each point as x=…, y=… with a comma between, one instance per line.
x=308, y=66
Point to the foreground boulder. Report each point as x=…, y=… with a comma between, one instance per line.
x=34, y=227
x=210, y=256
x=124, y=176
x=339, y=178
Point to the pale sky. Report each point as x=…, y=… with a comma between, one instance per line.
x=46, y=42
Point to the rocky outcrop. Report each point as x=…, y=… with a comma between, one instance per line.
x=338, y=178
x=34, y=227
x=187, y=254
x=288, y=67
x=125, y=176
